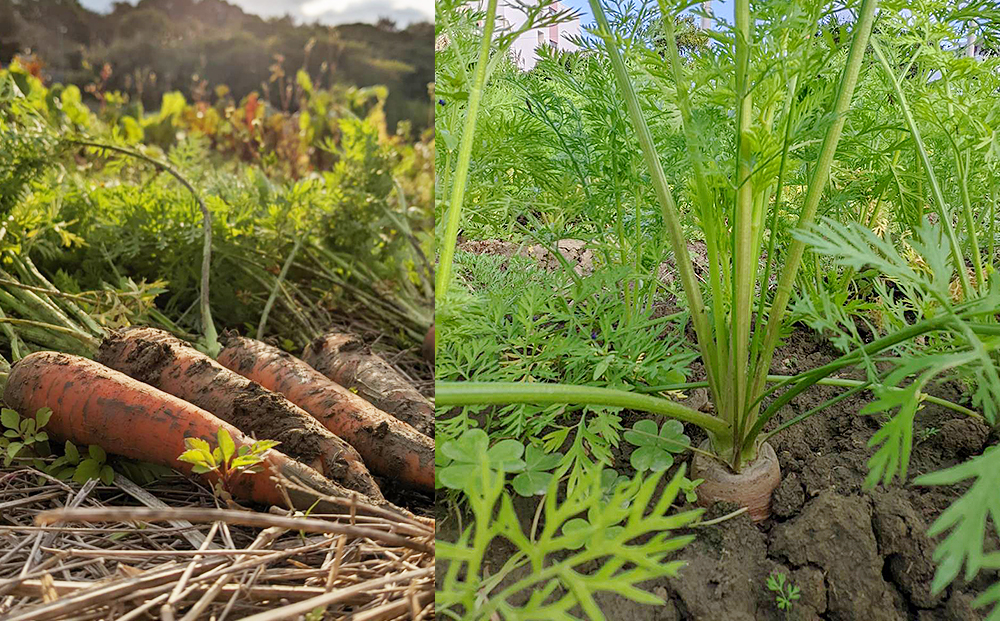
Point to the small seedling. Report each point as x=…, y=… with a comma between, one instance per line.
x=226, y=460
x=926, y=434
x=72, y=465
x=22, y=432
x=786, y=593
x=24, y=437
x=688, y=489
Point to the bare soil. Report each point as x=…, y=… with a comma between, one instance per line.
x=855, y=554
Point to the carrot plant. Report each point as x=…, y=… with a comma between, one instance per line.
x=493, y=44
x=761, y=112
x=733, y=217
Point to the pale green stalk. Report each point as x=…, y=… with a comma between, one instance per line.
x=943, y=215
x=993, y=218
x=454, y=216
x=6, y=328
x=25, y=266
x=706, y=201
x=450, y=394
x=620, y=231
x=962, y=172
x=277, y=286
x=821, y=174
x=84, y=338
x=744, y=258
x=671, y=219
x=769, y=266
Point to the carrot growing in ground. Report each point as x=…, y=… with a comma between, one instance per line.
x=346, y=360
x=92, y=404
x=165, y=362
x=389, y=446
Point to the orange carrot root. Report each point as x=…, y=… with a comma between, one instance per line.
x=390, y=447
x=346, y=360
x=165, y=362
x=92, y=404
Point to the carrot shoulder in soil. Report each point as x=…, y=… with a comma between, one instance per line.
x=346, y=360
x=161, y=360
x=92, y=404
x=389, y=446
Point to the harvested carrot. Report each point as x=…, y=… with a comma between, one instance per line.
x=346, y=360
x=390, y=447
x=92, y=404
x=161, y=360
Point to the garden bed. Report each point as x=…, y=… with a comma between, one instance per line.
x=853, y=554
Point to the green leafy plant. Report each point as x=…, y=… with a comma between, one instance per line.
x=20, y=433
x=225, y=459
x=614, y=536
x=94, y=466
x=539, y=15
x=689, y=488
x=736, y=359
x=785, y=593
x=25, y=437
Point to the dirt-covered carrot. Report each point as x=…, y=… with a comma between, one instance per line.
x=390, y=447
x=346, y=360
x=92, y=404
x=165, y=362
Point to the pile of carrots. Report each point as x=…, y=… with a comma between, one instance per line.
x=146, y=391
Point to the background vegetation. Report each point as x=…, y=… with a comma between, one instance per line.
x=195, y=47
x=320, y=212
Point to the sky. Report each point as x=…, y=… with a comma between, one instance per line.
x=722, y=8
x=331, y=12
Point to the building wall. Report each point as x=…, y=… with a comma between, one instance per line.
x=523, y=48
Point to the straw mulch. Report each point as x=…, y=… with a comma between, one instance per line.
x=168, y=551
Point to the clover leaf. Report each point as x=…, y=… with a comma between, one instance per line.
x=466, y=454
x=655, y=449
x=535, y=479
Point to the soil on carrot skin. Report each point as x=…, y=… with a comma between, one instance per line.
x=241, y=353
x=854, y=554
x=267, y=413
x=254, y=408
